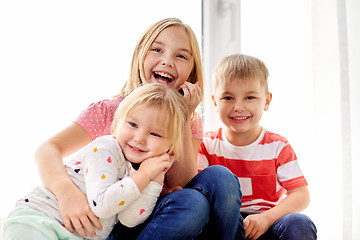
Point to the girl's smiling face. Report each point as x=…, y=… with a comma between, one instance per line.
x=142, y=136
x=169, y=60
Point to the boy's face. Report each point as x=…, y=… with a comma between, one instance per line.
x=169, y=60
x=141, y=136
x=240, y=104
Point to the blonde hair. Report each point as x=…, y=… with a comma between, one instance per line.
x=241, y=67
x=143, y=46
x=169, y=104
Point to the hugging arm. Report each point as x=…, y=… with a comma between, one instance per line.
x=74, y=208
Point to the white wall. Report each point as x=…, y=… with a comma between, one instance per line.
x=57, y=57
x=353, y=24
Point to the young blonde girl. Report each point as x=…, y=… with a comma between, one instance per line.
x=167, y=53
x=121, y=174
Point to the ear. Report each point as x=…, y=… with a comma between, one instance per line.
x=268, y=101
x=214, y=102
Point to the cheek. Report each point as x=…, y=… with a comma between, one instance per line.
x=148, y=67
x=161, y=147
x=123, y=134
x=257, y=111
x=223, y=109
x=185, y=71
x=222, y=112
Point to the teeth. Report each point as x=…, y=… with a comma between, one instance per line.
x=239, y=118
x=160, y=81
x=164, y=75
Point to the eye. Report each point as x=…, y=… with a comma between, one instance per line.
x=156, y=49
x=132, y=124
x=156, y=135
x=250, y=98
x=182, y=56
x=227, y=98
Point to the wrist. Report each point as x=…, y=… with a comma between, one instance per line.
x=141, y=179
x=62, y=188
x=160, y=178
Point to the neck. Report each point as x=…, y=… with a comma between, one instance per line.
x=243, y=138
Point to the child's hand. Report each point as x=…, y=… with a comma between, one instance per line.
x=170, y=190
x=76, y=213
x=255, y=225
x=192, y=95
x=155, y=166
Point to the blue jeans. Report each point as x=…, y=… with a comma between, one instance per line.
x=207, y=208
x=294, y=226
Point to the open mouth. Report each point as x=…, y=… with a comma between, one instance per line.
x=163, y=77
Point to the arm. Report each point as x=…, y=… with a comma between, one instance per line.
x=106, y=194
x=183, y=170
x=74, y=208
x=138, y=211
x=296, y=201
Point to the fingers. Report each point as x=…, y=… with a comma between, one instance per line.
x=249, y=228
x=252, y=229
x=78, y=227
x=191, y=90
x=155, y=165
x=76, y=213
x=192, y=94
x=84, y=223
x=170, y=190
x=68, y=225
x=81, y=223
x=246, y=223
x=95, y=221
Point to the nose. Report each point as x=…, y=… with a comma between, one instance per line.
x=167, y=61
x=239, y=107
x=139, y=137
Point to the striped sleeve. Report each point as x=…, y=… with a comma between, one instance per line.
x=289, y=173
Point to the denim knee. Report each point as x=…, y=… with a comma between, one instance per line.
x=296, y=226
x=178, y=215
x=184, y=200
x=218, y=180
x=222, y=190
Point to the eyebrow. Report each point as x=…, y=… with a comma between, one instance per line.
x=227, y=92
x=252, y=92
x=181, y=49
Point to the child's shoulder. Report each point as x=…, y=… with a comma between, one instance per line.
x=96, y=109
x=270, y=137
x=110, y=103
x=106, y=142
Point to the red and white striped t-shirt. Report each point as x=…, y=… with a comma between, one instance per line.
x=266, y=168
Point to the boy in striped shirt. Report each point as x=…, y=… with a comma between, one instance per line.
x=273, y=186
